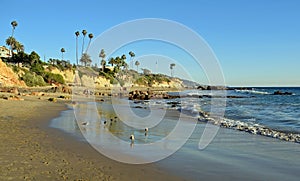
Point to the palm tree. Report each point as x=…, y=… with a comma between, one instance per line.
x=77, y=34
x=112, y=61
x=84, y=32
x=14, y=24
x=123, y=57
x=11, y=42
x=85, y=59
x=90, y=36
x=62, y=53
x=132, y=55
x=102, y=56
x=123, y=62
x=103, y=63
x=118, y=61
x=137, y=63
x=172, y=65
x=19, y=47
x=51, y=61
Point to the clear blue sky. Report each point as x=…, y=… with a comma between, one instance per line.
x=257, y=42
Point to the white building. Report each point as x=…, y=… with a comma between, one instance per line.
x=4, y=52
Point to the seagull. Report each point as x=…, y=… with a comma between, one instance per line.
x=146, y=129
x=132, y=138
x=85, y=123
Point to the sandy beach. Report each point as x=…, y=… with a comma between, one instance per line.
x=31, y=150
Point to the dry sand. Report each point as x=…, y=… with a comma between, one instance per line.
x=30, y=150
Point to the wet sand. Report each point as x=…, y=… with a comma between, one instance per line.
x=236, y=155
x=31, y=150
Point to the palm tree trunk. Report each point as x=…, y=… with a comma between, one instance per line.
x=12, y=33
x=82, y=45
x=77, y=50
x=88, y=46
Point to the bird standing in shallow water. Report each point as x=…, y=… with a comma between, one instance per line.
x=85, y=123
x=131, y=138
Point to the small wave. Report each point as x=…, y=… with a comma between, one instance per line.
x=253, y=92
x=253, y=128
x=192, y=110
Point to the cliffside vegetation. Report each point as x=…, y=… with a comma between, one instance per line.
x=34, y=72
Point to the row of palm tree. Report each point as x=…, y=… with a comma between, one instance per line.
x=84, y=57
x=117, y=61
x=14, y=44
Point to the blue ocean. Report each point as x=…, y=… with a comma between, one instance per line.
x=260, y=105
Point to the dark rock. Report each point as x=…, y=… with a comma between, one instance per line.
x=231, y=97
x=201, y=87
x=139, y=95
x=282, y=93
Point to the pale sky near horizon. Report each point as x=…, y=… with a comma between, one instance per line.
x=256, y=42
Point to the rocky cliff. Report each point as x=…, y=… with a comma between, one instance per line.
x=8, y=77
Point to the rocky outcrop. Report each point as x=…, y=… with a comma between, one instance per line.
x=67, y=74
x=282, y=93
x=8, y=77
x=139, y=95
x=208, y=87
x=62, y=89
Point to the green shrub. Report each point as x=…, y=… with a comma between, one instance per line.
x=113, y=81
x=15, y=69
x=105, y=75
x=33, y=80
x=38, y=69
x=51, y=77
x=141, y=81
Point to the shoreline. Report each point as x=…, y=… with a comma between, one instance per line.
x=32, y=150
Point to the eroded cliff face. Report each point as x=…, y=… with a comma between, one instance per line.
x=68, y=74
x=8, y=77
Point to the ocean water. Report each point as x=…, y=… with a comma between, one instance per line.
x=260, y=106
x=230, y=155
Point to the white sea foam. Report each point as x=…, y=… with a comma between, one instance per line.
x=253, y=92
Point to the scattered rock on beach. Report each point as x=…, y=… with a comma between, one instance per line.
x=51, y=99
x=139, y=95
x=64, y=97
x=37, y=94
x=15, y=90
x=62, y=89
x=14, y=98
